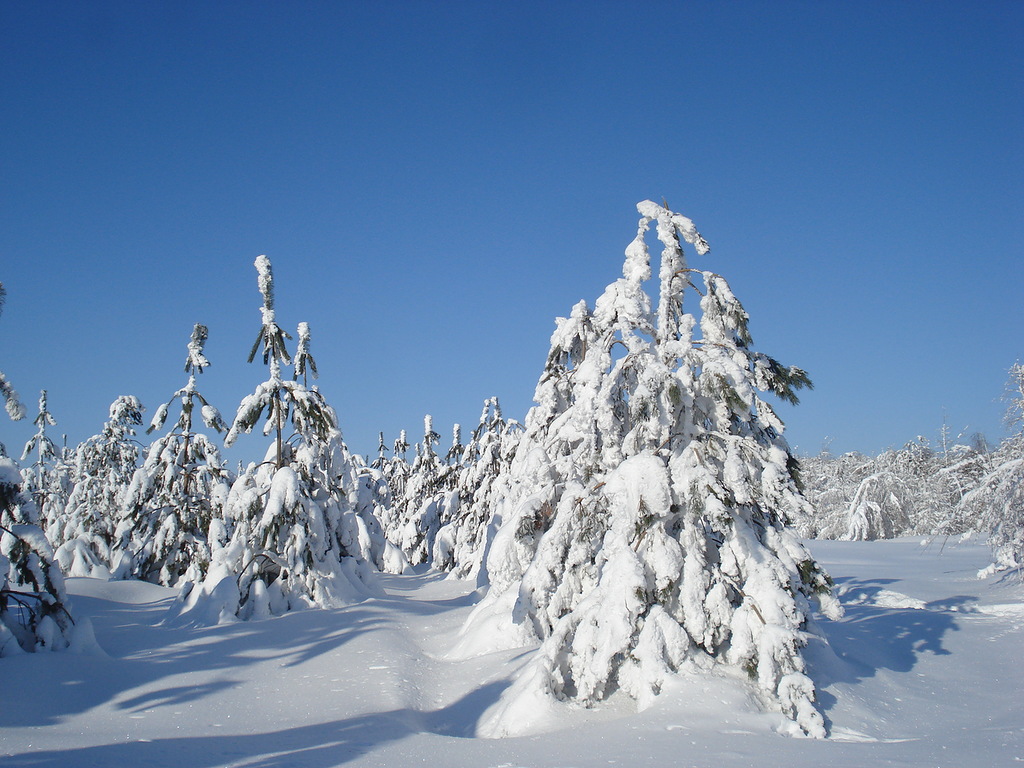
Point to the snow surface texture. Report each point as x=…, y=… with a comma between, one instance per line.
x=921, y=671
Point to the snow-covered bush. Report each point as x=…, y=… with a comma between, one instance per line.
x=642, y=528
x=879, y=509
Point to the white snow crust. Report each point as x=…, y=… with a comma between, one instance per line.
x=921, y=671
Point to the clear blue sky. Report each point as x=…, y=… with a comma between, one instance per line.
x=435, y=182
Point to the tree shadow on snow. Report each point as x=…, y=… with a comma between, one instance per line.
x=67, y=684
x=312, y=746
x=881, y=630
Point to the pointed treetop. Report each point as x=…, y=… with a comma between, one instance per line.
x=265, y=280
x=270, y=336
x=44, y=416
x=651, y=211
x=303, y=358
x=196, y=360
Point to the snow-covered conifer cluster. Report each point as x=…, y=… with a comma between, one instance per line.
x=644, y=520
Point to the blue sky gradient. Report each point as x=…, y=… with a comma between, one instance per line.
x=436, y=182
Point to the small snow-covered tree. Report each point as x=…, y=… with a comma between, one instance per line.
x=33, y=614
x=179, y=489
x=38, y=475
x=644, y=527
x=103, y=468
x=461, y=544
x=381, y=461
x=425, y=501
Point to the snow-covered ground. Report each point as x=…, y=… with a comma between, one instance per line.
x=924, y=670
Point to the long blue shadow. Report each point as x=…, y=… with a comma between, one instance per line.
x=311, y=746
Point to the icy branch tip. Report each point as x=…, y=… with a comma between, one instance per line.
x=651, y=210
x=266, y=280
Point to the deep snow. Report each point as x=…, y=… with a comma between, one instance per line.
x=924, y=670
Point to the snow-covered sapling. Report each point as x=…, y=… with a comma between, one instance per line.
x=179, y=489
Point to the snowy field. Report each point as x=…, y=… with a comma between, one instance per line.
x=924, y=670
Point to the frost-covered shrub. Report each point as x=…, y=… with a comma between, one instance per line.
x=642, y=526
x=879, y=509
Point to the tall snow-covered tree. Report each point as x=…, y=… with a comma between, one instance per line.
x=290, y=538
x=179, y=489
x=103, y=469
x=644, y=525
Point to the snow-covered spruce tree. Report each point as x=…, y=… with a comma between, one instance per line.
x=381, y=461
x=644, y=530
x=359, y=531
x=179, y=489
x=38, y=476
x=373, y=503
x=461, y=543
x=33, y=611
x=996, y=505
x=103, y=468
x=427, y=500
x=291, y=538
x=33, y=615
